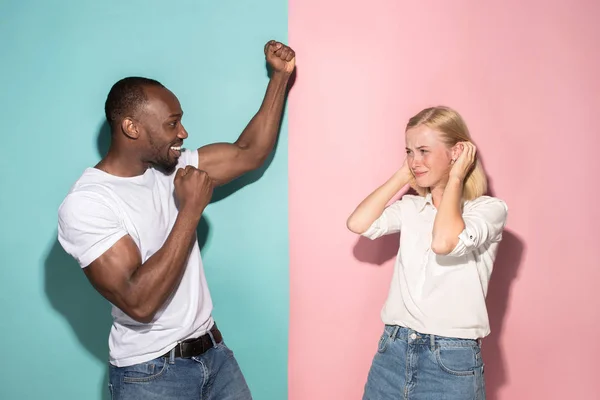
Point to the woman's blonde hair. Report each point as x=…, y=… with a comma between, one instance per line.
x=453, y=129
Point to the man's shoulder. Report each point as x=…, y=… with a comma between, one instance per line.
x=92, y=187
x=90, y=175
x=90, y=180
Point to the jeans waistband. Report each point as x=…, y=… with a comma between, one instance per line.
x=414, y=337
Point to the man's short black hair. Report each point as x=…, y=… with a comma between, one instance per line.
x=125, y=97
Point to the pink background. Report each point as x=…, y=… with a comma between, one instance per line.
x=525, y=77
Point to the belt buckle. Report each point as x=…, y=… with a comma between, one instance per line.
x=181, y=350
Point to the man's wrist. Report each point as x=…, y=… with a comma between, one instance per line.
x=280, y=76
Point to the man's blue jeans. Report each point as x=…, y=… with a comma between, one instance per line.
x=214, y=375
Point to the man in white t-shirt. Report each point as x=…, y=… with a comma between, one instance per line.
x=131, y=222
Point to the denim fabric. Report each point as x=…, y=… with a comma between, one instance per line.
x=410, y=365
x=215, y=375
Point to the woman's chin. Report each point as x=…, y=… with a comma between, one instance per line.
x=422, y=181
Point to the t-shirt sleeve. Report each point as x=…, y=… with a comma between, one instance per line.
x=88, y=226
x=188, y=157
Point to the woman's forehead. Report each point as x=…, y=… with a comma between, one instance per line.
x=422, y=136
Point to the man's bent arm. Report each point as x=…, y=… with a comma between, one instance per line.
x=226, y=161
x=140, y=289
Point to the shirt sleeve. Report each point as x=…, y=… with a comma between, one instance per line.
x=389, y=222
x=88, y=226
x=188, y=157
x=484, y=223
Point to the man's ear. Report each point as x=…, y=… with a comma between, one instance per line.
x=130, y=128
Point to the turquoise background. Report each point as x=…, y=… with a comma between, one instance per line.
x=59, y=59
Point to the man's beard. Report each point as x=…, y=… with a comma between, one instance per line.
x=165, y=165
x=162, y=160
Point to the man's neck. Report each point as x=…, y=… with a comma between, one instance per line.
x=121, y=164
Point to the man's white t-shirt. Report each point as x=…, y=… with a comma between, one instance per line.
x=98, y=211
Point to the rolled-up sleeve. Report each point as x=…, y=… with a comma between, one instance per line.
x=485, y=220
x=389, y=222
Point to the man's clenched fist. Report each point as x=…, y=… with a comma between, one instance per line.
x=280, y=57
x=193, y=189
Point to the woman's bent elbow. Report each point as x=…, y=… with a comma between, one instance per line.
x=355, y=227
x=441, y=248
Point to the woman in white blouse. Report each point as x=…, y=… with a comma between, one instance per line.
x=435, y=315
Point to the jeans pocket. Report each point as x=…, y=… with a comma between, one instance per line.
x=223, y=347
x=383, y=342
x=145, y=372
x=458, y=360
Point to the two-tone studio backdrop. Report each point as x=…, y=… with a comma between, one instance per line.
x=297, y=295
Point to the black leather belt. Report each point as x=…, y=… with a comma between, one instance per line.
x=198, y=346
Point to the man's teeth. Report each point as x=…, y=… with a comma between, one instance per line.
x=176, y=148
